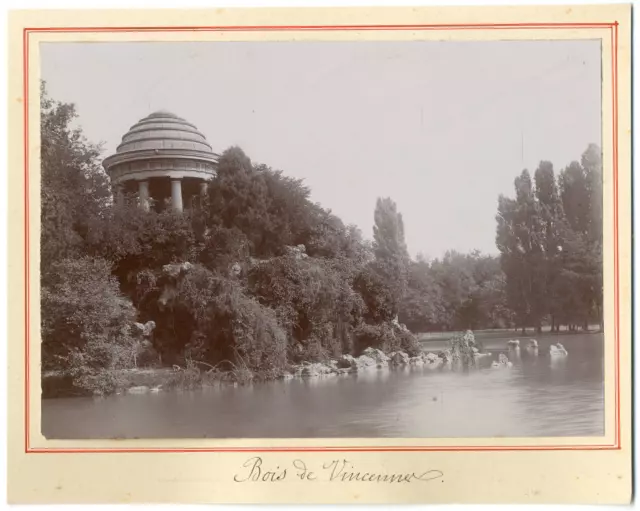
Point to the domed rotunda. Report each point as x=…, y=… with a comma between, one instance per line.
x=164, y=160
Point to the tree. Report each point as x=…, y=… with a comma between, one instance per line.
x=85, y=322
x=574, y=191
x=469, y=291
x=454, y=275
x=74, y=187
x=591, y=162
x=133, y=239
x=520, y=241
x=269, y=208
x=378, y=297
x=552, y=223
x=214, y=321
x=550, y=240
x=390, y=250
x=314, y=301
x=422, y=307
x=581, y=192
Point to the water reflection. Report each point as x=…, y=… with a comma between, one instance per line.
x=539, y=396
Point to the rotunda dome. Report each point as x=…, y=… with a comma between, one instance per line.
x=161, y=145
x=163, y=130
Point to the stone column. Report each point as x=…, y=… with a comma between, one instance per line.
x=203, y=188
x=143, y=194
x=119, y=195
x=176, y=194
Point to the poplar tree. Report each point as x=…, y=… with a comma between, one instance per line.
x=552, y=223
x=520, y=241
x=581, y=191
x=390, y=249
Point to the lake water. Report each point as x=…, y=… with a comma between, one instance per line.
x=538, y=396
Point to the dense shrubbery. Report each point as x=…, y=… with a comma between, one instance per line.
x=313, y=300
x=86, y=323
x=224, y=323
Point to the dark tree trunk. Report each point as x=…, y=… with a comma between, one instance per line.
x=599, y=313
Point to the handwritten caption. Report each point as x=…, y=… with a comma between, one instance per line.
x=337, y=470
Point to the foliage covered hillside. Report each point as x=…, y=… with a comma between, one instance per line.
x=256, y=276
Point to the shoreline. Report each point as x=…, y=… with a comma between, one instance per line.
x=158, y=379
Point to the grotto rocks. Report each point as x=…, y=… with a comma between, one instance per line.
x=377, y=355
x=175, y=269
x=347, y=362
x=399, y=358
x=298, y=252
x=365, y=362
x=432, y=358
x=315, y=370
x=144, y=330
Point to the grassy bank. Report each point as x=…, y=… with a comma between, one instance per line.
x=144, y=379
x=55, y=385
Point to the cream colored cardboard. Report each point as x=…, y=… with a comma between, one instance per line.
x=498, y=470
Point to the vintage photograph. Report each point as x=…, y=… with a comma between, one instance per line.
x=321, y=239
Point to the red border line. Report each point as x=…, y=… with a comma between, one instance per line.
x=434, y=448
x=616, y=280
x=25, y=74
x=614, y=81
x=278, y=28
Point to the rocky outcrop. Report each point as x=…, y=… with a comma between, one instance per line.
x=503, y=361
x=144, y=330
x=371, y=359
x=175, y=269
x=478, y=355
x=432, y=358
x=557, y=350
x=399, y=358
x=399, y=327
x=377, y=355
x=171, y=273
x=347, y=362
x=315, y=370
x=235, y=270
x=469, y=338
x=364, y=362
x=299, y=251
x=427, y=359
x=446, y=356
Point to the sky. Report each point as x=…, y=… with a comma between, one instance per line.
x=442, y=128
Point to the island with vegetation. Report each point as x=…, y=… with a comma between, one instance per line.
x=257, y=282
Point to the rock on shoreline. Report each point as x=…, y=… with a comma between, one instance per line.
x=371, y=358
